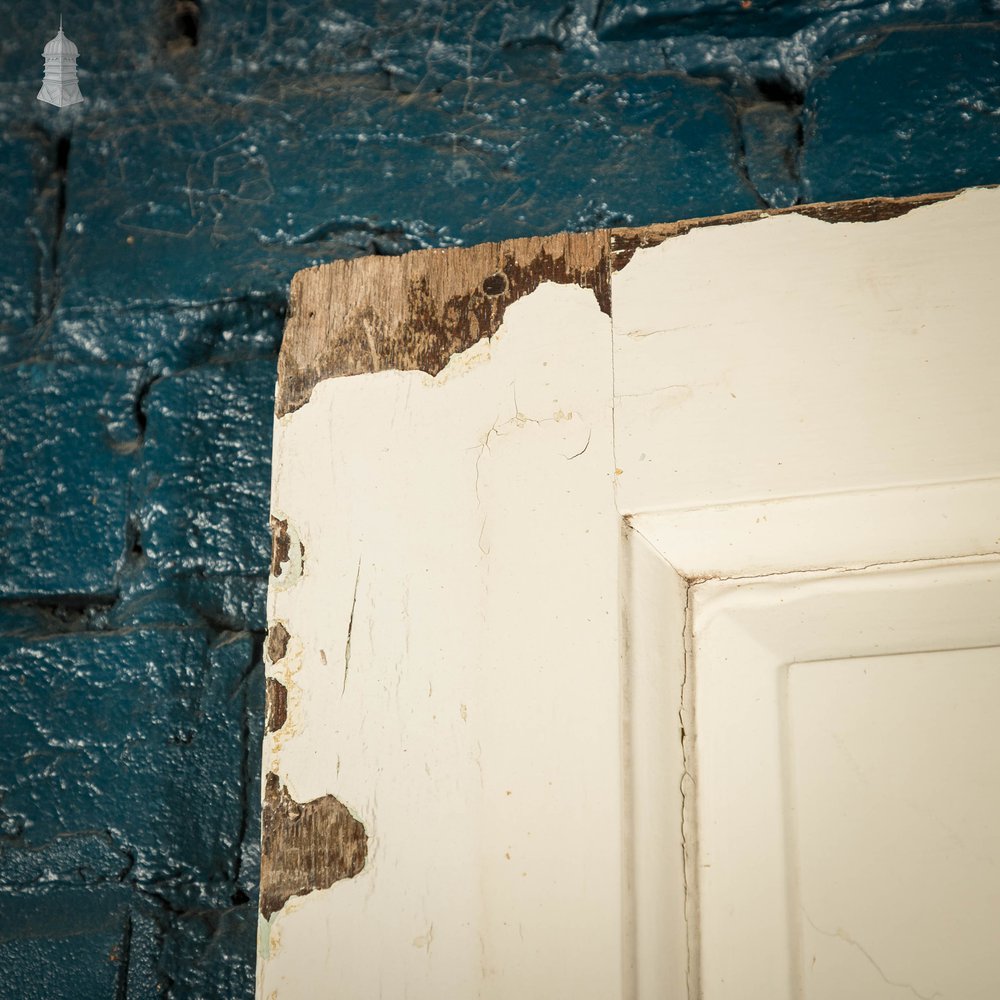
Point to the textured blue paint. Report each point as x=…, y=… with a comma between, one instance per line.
x=386, y=172
x=81, y=797
x=918, y=112
x=149, y=237
x=28, y=233
x=68, y=943
x=67, y=443
x=202, y=487
x=122, y=777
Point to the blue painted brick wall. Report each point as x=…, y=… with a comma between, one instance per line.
x=149, y=237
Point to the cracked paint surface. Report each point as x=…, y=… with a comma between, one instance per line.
x=432, y=312
x=150, y=238
x=456, y=823
x=439, y=707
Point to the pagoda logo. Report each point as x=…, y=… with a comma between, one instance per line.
x=60, y=86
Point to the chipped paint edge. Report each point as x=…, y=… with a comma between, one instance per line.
x=420, y=339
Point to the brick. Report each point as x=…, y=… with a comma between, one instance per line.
x=28, y=212
x=206, y=954
x=203, y=485
x=916, y=113
x=63, y=944
x=67, y=440
x=137, y=733
x=771, y=142
x=169, y=338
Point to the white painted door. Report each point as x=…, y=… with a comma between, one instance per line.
x=635, y=616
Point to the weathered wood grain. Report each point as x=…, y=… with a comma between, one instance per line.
x=276, y=705
x=413, y=312
x=308, y=845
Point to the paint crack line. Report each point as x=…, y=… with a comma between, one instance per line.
x=350, y=628
x=841, y=935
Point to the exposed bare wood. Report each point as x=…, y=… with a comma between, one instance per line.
x=305, y=845
x=277, y=641
x=414, y=312
x=277, y=704
x=625, y=242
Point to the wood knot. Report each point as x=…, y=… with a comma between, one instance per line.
x=495, y=284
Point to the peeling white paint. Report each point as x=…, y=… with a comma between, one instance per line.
x=469, y=501
x=492, y=672
x=789, y=356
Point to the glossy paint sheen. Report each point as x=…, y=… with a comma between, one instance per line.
x=149, y=237
x=601, y=673
x=476, y=811
x=600, y=579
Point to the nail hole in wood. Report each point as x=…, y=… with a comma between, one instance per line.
x=495, y=284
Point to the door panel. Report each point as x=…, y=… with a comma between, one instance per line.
x=896, y=827
x=815, y=750
x=634, y=615
x=788, y=356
